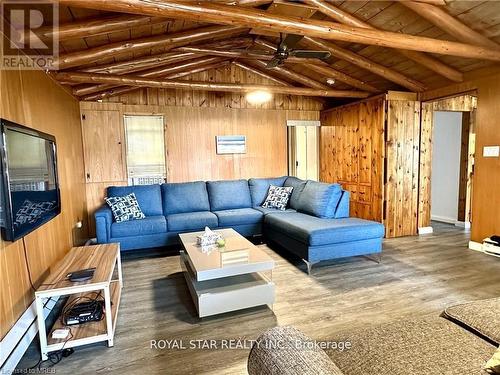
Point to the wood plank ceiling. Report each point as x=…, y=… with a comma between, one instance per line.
x=359, y=68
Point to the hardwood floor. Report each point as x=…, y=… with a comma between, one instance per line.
x=418, y=275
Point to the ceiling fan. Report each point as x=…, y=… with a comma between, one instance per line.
x=285, y=49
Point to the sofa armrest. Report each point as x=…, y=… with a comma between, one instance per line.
x=284, y=351
x=103, y=219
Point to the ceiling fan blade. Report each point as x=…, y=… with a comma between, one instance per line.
x=290, y=41
x=273, y=63
x=252, y=51
x=323, y=55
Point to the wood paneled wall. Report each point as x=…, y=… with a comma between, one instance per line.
x=32, y=99
x=352, y=154
x=355, y=141
x=190, y=143
x=486, y=191
x=402, y=167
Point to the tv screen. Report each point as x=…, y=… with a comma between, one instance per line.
x=29, y=186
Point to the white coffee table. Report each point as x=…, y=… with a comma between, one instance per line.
x=234, y=277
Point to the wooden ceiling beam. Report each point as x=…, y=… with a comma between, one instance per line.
x=323, y=68
x=155, y=72
x=290, y=74
x=348, y=19
x=449, y=24
x=95, y=26
x=119, y=90
x=167, y=41
x=363, y=62
x=141, y=63
x=255, y=18
x=260, y=73
x=132, y=80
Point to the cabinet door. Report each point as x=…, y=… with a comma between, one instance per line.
x=103, y=146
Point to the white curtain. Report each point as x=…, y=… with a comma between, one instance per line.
x=145, y=146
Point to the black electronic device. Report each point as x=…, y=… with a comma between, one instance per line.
x=84, y=312
x=29, y=186
x=81, y=275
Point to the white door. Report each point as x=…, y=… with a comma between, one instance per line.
x=303, y=152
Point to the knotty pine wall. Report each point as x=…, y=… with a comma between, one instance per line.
x=32, y=99
x=352, y=154
x=354, y=141
x=486, y=180
x=193, y=119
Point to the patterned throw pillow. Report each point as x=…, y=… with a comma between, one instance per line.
x=30, y=212
x=125, y=208
x=277, y=197
x=493, y=365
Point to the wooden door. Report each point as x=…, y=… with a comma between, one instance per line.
x=103, y=146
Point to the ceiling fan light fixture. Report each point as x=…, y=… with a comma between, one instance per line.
x=258, y=97
x=330, y=81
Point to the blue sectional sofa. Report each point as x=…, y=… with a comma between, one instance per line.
x=315, y=227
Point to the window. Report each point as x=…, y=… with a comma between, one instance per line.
x=145, y=138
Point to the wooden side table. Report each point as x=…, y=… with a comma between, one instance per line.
x=105, y=259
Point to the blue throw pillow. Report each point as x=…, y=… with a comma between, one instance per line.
x=319, y=199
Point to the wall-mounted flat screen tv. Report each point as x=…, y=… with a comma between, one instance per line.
x=29, y=187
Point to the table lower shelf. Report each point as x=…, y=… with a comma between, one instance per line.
x=230, y=293
x=86, y=333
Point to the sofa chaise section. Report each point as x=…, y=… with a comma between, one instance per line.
x=321, y=229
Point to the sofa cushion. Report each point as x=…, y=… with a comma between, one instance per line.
x=148, y=196
x=429, y=346
x=185, y=197
x=226, y=195
x=191, y=221
x=149, y=225
x=298, y=185
x=239, y=216
x=319, y=199
x=267, y=211
x=493, y=365
x=315, y=231
x=481, y=316
x=259, y=188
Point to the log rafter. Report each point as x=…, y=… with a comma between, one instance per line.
x=449, y=24
x=365, y=63
x=255, y=18
x=168, y=41
x=120, y=90
x=429, y=62
x=134, y=80
x=155, y=72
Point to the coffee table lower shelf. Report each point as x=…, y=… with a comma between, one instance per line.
x=217, y=296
